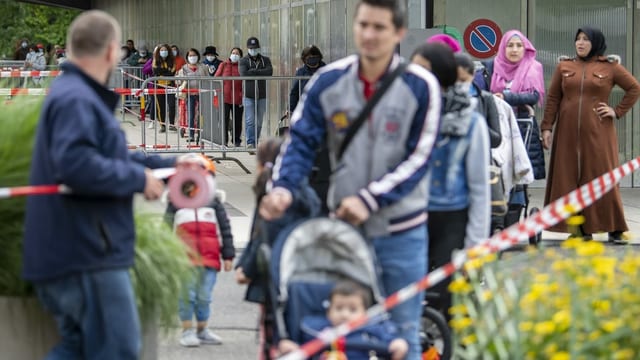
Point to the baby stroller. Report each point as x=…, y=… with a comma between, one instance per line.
x=306, y=260
x=519, y=196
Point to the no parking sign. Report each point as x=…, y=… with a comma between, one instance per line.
x=482, y=38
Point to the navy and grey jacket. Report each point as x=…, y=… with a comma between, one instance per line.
x=79, y=143
x=386, y=162
x=255, y=66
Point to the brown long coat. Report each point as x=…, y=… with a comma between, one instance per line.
x=585, y=147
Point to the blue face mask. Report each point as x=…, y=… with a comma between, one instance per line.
x=313, y=61
x=164, y=53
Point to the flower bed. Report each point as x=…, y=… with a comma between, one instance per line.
x=581, y=301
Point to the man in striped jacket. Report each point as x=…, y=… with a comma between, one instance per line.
x=380, y=181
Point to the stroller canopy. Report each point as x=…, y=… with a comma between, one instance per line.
x=323, y=250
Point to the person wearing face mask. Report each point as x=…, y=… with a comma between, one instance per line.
x=255, y=92
x=179, y=59
x=192, y=68
x=319, y=180
x=232, y=90
x=140, y=57
x=579, y=125
x=22, y=49
x=164, y=65
x=211, y=59
x=312, y=60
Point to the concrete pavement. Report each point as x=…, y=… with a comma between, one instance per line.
x=235, y=320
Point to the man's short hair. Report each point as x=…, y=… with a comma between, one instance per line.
x=350, y=288
x=397, y=8
x=91, y=32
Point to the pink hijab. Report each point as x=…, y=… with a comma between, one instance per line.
x=526, y=74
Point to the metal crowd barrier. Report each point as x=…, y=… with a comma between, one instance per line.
x=186, y=114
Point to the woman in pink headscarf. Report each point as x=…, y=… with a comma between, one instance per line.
x=515, y=76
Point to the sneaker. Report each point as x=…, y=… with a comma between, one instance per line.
x=163, y=129
x=173, y=128
x=251, y=149
x=207, y=336
x=189, y=338
x=151, y=125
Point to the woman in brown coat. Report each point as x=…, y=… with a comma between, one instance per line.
x=585, y=144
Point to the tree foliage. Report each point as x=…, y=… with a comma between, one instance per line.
x=37, y=23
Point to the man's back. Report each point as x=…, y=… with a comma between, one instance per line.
x=70, y=233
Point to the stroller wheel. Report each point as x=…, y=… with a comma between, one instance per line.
x=536, y=238
x=435, y=335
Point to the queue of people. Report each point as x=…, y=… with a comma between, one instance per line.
x=408, y=146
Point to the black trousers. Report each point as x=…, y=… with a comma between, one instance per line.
x=447, y=230
x=233, y=122
x=162, y=101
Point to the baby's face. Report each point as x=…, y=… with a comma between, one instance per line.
x=345, y=308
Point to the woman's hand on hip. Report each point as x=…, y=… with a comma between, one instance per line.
x=546, y=139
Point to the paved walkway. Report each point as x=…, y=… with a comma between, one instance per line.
x=236, y=320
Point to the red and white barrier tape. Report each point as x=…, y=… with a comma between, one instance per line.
x=120, y=91
x=550, y=215
x=29, y=73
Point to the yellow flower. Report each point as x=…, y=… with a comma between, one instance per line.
x=525, y=326
x=575, y=220
x=562, y=355
x=460, y=323
x=473, y=264
x=469, y=339
x=571, y=243
x=562, y=319
x=629, y=266
x=570, y=208
x=588, y=282
x=611, y=325
x=594, y=335
x=486, y=296
x=459, y=286
x=623, y=354
x=541, y=278
x=604, y=265
x=459, y=309
x=551, y=349
x=590, y=248
x=601, y=307
x=544, y=328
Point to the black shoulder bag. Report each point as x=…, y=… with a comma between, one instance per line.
x=353, y=129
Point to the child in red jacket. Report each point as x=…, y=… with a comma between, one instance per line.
x=207, y=232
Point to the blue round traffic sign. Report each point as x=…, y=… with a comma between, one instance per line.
x=482, y=38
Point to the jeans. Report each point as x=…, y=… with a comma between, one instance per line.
x=198, y=296
x=96, y=315
x=253, y=114
x=194, y=123
x=401, y=262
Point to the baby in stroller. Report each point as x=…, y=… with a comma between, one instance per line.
x=348, y=301
x=326, y=260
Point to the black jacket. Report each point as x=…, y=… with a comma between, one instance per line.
x=255, y=66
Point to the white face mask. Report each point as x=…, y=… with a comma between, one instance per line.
x=234, y=58
x=210, y=58
x=254, y=52
x=174, y=52
x=164, y=53
x=463, y=86
x=192, y=59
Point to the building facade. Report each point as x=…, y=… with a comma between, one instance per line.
x=285, y=27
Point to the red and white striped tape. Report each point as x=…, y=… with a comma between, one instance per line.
x=120, y=91
x=34, y=73
x=9, y=192
x=550, y=215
